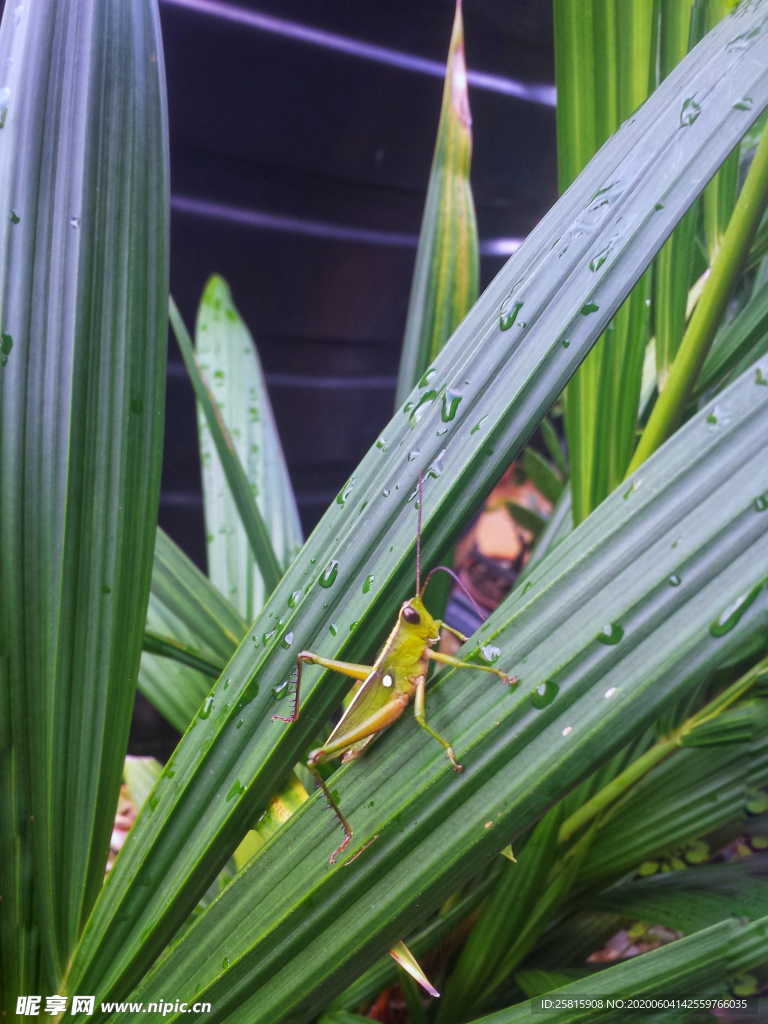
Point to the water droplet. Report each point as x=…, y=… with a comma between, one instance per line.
x=287, y=641
x=690, y=111
x=674, y=580
x=15, y=218
x=225, y=963
x=742, y=41
x=589, y=307
x=610, y=634
x=5, y=98
x=281, y=690
x=658, y=206
x=207, y=707
x=436, y=469
x=425, y=378
x=153, y=801
x=610, y=692
x=235, y=790
x=508, y=317
x=345, y=493
x=333, y=629
x=565, y=342
x=451, y=403
x=329, y=574
x=266, y=637
x=712, y=419
x=386, y=492
x=490, y=654
x=6, y=344
x=760, y=378
x=761, y=503
x=731, y=615
x=478, y=425
x=381, y=444
x=745, y=103
x=293, y=600
x=567, y=730
x=415, y=412
x=413, y=455
x=543, y=695
x=368, y=583
x=601, y=256
x=74, y=222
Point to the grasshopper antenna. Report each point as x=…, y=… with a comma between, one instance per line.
x=420, y=491
x=460, y=584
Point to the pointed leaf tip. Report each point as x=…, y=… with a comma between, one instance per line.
x=405, y=959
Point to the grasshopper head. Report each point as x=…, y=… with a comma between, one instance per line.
x=415, y=617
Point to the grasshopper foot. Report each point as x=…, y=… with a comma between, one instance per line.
x=509, y=680
x=285, y=718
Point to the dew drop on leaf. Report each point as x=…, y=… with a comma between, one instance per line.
x=611, y=634
x=544, y=695
x=329, y=574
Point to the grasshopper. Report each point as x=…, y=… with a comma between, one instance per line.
x=383, y=690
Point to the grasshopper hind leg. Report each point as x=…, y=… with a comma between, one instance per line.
x=347, y=828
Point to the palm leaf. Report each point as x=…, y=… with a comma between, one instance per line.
x=83, y=287
x=227, y=357
x=445, y=277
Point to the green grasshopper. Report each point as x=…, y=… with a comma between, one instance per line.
x=383, y=690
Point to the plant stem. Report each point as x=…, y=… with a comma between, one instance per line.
x=609, y=794
x=707, y=316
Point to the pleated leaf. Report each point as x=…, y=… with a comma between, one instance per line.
x=83, y=299
x=445, y=276
x=228, y=359
x=185, y=607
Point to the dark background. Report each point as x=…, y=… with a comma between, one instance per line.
x=299, y=172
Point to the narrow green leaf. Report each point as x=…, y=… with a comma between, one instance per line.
x=674, y=269
x=140, y=774
x=176, y=851
x=738, y=344
x=603, y=62
x=227, y=357
x=188, y=610
x=694, y=898
x=699, y=964
x=167, y=647
x=83, y=292
x=543, y=474
x=239, y=485
x=527, y=518
x=554, y=447
x=445, y=276
x=504, y=915
x=720, y=195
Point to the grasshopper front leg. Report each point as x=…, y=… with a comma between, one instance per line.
x=420, y=713
x=346, y=668
x=448, y=659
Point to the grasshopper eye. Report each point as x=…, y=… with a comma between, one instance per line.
x=411, y=615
